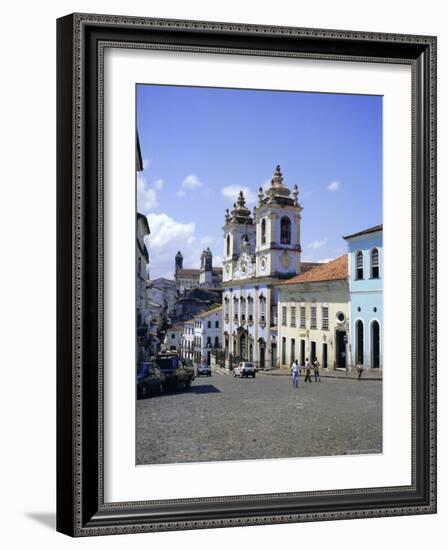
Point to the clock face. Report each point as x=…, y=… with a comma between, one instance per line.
x=285, y=260
x=263, y=264
x=228, y=269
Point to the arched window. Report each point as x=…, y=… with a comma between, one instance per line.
x=263, y=231
x=359, y=334
x=216, y=341
x=375, y=344
x=359, y=265
x=285, y=230
x=262, y=309
x=228, y=245
x=375, y=263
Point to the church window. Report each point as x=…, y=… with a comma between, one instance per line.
x=235, y=309
x=263, y=231
x=228, y=245
x=285, y=230
x=359, y=265
x=375, y=263
x=262, y=309
x=243, y=309
x=250, y=302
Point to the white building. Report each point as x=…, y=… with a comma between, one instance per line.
x=207, y=334
x=187, y=341
x=260, y=250
x=173, y=337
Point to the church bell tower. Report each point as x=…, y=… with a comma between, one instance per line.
x=277, y=219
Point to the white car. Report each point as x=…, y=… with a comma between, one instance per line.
x=244, y=370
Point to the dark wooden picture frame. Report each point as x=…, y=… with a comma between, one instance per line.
x=81, y=510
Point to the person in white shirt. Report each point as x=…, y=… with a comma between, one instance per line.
x=295, y=373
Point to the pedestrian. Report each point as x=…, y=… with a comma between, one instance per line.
x=295, y=373
x=360, y=370
x=307, y=371
x=316, y=371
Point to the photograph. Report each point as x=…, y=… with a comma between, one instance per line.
x=259, y=274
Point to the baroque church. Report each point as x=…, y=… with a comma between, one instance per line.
x=261, y=248
x=206, y=277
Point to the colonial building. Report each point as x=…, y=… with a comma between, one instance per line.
x=366, y=295
x=163, y=291
x=144, y=338
x=207, y=334
x=260, y=250
x=313, y=312
x=187, y=341
x=173, y=338
x=207, y=276
x=196, y=301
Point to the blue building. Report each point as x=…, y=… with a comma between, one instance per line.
x=365, y=272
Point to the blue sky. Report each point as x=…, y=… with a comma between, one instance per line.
x=202, y=145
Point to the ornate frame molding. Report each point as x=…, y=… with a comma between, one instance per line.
x=81, y=42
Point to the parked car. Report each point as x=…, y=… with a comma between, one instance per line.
x=244, y=370
x=150, y=380
x=204, y=370
x=177, y=372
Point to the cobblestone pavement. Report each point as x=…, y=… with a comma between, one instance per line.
x=227, y=418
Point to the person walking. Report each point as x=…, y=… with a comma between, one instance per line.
x=316, y=371
x=307, y=370
x=295, y=373
x=360, y=370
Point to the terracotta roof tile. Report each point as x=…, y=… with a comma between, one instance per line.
x=331, y=271
x=187, y=273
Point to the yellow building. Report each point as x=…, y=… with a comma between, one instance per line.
x=313, y=311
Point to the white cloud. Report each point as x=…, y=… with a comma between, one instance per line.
x=158, y=184
x=181, y=194
x=168, y=236
x=334, y=186
x=318, y=243
x=231, y=193
x=146, y=196
x=164, y=230
x=146, y=163
x=191, y=182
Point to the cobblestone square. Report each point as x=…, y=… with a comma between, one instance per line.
x=227, y=418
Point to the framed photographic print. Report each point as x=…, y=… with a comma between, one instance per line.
x=246, y=274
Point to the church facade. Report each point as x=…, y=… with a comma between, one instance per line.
x=206, y=277
x=261, y=249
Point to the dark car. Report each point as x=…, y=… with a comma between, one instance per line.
x=177, y=373
x=150, y=380
x=204, y=370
